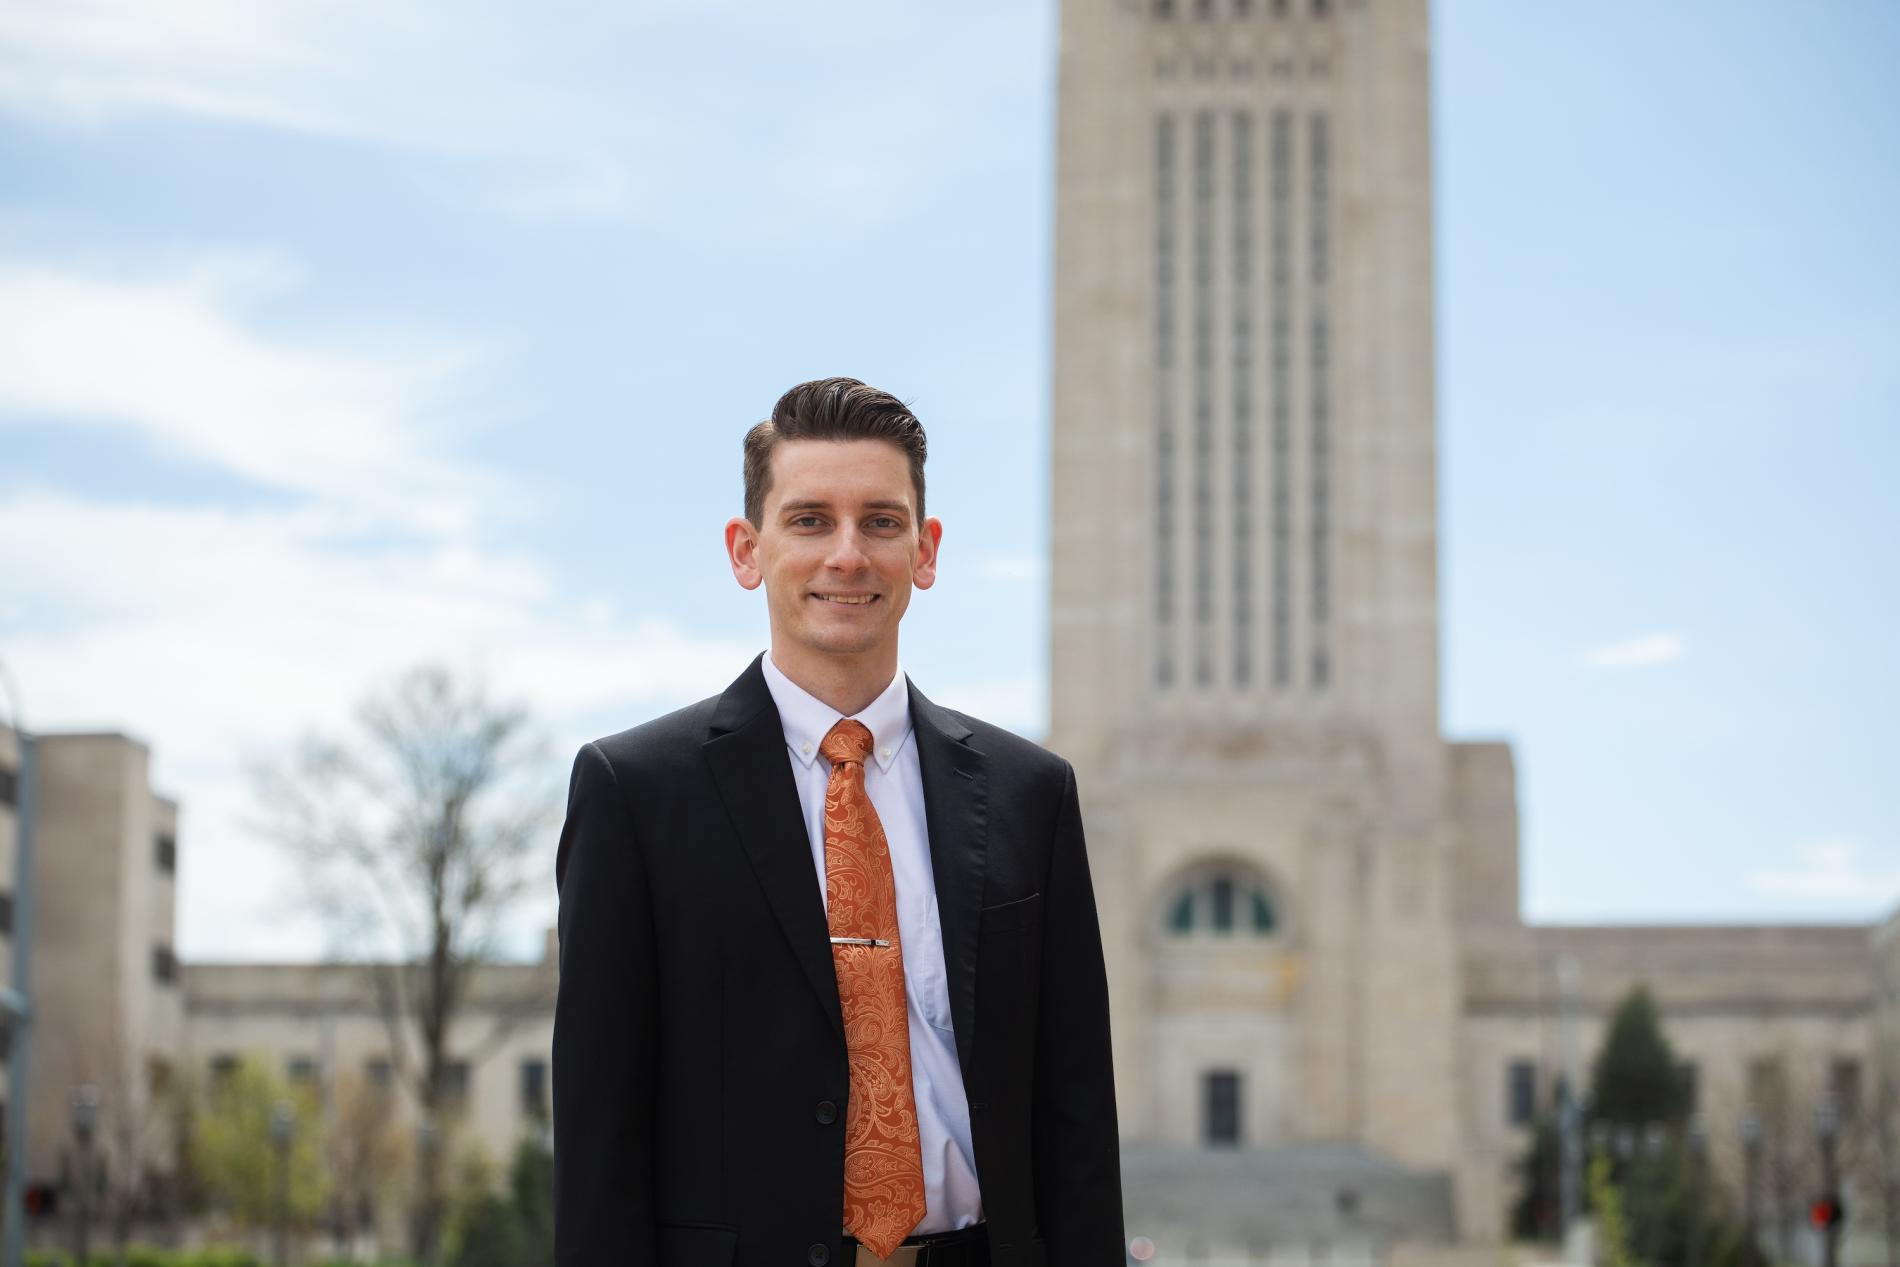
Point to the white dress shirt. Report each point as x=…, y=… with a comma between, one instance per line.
x=895, y=784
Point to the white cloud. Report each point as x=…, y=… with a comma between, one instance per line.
x=612, y=111
x=1835, y=871
x=175, y=356
x=216, y=631
x=1636, y=653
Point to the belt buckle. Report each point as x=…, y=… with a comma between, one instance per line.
x=902, y=1256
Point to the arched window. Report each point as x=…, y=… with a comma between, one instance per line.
x=1224, y=901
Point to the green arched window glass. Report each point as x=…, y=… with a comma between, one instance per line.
x=1223, y=902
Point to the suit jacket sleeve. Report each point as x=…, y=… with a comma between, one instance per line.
x=1077, y=1150
x=603, y=1030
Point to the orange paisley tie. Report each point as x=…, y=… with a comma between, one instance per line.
x=883, y=1159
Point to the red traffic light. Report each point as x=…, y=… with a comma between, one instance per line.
x=1827, y=1212
x=40, y=1199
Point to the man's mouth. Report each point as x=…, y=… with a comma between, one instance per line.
x=852, y=600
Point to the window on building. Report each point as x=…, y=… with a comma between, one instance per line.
x=1690, y=1079
x=1224, y=901
x=6, y=913
x=1765, y=1087
x=381, y=1074
x=1164, y=345
x=1221, y=1098
x=534, y=1089
x=223, y=1066
x=301, y=1070
x=9, y=786
x=164, y=965
x=1843, y=1084
x=158, y=1076
x=1521, y=1092
x=165, y=853
x=454, y=1083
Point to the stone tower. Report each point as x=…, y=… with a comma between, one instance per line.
x=1244, y=607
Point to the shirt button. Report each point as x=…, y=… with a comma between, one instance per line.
x=826, y=1113
x=883, y=752
x=805, y=748
x=818, y=1255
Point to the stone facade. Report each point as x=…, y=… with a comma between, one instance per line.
x=1244, y=645
x=108, y=1011
x=1331, y=1022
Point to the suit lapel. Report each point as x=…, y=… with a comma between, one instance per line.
x=754, y=777
x=956, y=782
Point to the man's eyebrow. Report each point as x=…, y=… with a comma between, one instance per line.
x=817, y=504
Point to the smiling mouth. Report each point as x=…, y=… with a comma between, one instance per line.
x=860, y=600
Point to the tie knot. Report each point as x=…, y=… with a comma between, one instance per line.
x=847, y=741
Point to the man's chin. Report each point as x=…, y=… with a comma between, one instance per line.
x=840, y=642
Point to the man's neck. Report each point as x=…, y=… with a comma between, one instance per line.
x=845, y=683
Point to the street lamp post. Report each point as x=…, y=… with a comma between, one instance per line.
x=1699, y=1188
x=427, y=1142
x=85, y=1121
x=1751, y=1183
x=283, y=1127
x=1827, y=1129
x=1569, y=1119
x=15, y=1003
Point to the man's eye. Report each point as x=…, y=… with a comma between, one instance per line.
x=805, y=521
x=885, y=521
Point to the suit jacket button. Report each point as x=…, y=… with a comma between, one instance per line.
x=826, y=1113
x=818, y=1255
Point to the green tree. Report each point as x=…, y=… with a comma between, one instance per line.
x=531, y=1181
x=1656, y=1203
x=234, y=1158
x=1635, y=1079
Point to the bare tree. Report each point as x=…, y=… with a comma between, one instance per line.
x=367, y=1159
x=413, y=838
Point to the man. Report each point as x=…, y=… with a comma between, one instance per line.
x=831, y=977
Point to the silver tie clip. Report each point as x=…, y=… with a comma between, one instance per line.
x=858, y=941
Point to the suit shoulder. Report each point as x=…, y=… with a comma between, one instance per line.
x=652, y=745
x=1009, y=747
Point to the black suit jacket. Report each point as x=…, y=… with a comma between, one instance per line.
x=699, y=1057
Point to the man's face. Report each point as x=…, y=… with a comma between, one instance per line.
x=838, y=546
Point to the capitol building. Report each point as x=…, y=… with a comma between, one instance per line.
x=1333, y=1026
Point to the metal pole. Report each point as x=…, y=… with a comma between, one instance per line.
x=16, y=1003
x=85, y=1118
x=1698, y=1188
x=1570, y=1117
x=1751, y=1184
x=1827, y=1126
x=283, y=1120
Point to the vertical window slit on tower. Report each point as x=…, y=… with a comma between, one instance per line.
x=1243, y=440
x=1203, y=397
x=1164, y=336
x=1320, y=351
x=1280, y=369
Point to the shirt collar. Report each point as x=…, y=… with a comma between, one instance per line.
x=808, y=719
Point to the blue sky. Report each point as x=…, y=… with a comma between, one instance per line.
x=332, y=337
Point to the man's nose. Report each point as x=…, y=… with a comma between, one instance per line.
x=847, y=550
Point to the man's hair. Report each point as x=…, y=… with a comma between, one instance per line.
x=831, y=409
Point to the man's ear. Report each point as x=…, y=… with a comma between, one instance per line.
x=923, y=573
x=742, y=551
